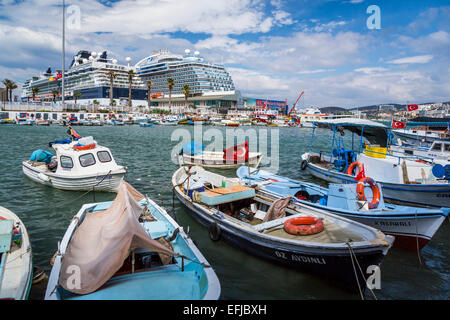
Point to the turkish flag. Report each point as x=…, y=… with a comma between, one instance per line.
x=412, y=107
x=237, y=153
x=397, y=124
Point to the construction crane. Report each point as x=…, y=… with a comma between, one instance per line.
x=301, y=94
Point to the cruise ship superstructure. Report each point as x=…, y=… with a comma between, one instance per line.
x=88, y=75
x=201, y=76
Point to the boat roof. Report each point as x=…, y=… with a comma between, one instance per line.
x=374, y=132
x=350, y=122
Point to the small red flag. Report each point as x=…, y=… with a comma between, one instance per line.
x=412, y=107
x=398, y=124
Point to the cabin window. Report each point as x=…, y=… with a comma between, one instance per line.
x=55, y=116
x=45, y=116
x=437, y=147
x=66, y=162
x=447, y=147
x=104, y=156
x=87, y=160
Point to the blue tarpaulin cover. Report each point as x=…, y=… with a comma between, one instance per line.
x=193, y=148
x=41, y=156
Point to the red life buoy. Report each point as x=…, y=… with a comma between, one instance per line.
x=303, y=226
x=375, y=190
x=356, y=164
x=86, y=147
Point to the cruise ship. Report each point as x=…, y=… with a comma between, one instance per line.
x=190, y=69
x=88, y=75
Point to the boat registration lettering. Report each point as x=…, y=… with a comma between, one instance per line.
x=393, y=223
x=294, y=257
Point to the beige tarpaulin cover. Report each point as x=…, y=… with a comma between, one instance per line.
x=277, y=209
x=104, y=240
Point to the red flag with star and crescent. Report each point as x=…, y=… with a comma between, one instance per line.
x=412, y=107
x=397, y=124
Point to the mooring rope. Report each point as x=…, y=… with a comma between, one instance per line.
x=362, y=273
x=354, y=270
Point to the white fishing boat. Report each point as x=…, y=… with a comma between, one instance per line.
x=129, y=249
x=79, y=164
x=404, y=179
x=423, y=135
x=42, y=122
x=279, y=230
x=413, y=227
x=195, y=154
x=16, y=267
x=439, y=151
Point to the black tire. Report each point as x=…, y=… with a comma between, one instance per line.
x=304, y=164
x=214, y=232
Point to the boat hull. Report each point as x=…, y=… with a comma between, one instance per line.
x=332, y=265
x=110, y=183
x=18, y=271
x=437, y=195
x=181, y=281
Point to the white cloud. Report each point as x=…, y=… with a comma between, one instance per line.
x=415, y=59
x=371, y=70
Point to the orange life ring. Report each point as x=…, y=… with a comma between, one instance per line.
x=86, y=147
x=375, y=190
x=353, y=165
x=303, y=226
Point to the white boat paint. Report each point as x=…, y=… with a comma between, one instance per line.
x=18, y=271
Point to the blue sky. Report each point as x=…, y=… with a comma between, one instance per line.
x=273, y=49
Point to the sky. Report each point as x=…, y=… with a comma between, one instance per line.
x=274, y=49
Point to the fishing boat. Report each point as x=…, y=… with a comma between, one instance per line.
x=270, y=227
x=439, y=151
x=116, y=122
x=146, y=125
x=24, y=119
x=43, y=122
x=7, y=121
x=412, y=227
x=193, y=153
x=423, y=135
x=79, y=164
x=404, y=179
x=140, y=253
x=16, y=266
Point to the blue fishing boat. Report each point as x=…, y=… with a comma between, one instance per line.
x=413, y=227
x=406, y=179
x=140, y=253
x=146, y=125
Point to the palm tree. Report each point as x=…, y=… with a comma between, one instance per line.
x=170, y=83
x=54, y=93
x=77, y=95
x=112, y=76
x=186, y=90
x=12, y=86
x=34, y=92
x=131, y=74
x=7, y=83
x=149, y=94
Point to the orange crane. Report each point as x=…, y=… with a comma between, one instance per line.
x=293, y=107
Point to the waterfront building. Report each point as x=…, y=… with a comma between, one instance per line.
x=88, y=76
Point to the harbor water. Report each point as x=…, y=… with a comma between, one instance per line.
x=146, y=152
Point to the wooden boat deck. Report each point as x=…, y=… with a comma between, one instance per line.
x=331, y=234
